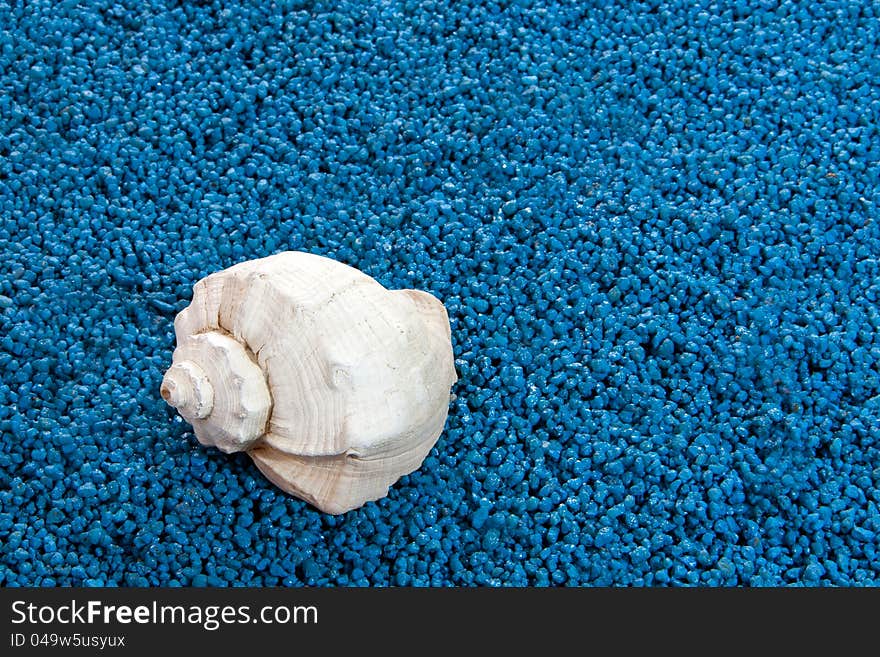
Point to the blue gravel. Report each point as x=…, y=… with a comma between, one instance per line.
x=655, y=227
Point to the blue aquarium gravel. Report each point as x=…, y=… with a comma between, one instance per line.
x=654, y=225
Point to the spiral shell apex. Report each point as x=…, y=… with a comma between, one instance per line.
x=335, y=386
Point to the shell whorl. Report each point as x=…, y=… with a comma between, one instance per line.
x=186, y=388
x=216, y=385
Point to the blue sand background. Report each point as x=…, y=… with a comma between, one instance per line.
x=654, y=225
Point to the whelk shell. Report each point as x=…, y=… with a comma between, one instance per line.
x=335, y=386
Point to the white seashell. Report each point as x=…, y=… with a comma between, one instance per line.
x=335, y=386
